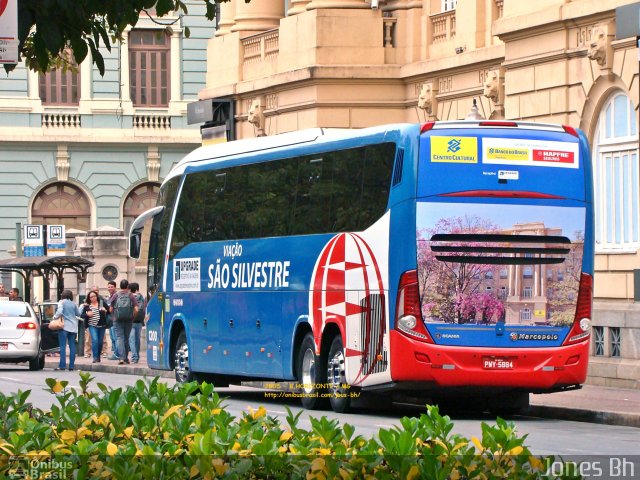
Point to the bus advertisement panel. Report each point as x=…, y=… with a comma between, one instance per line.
x=403, y=257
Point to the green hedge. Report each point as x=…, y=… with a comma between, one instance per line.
x=151, y=430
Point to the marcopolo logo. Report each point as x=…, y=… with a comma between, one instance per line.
x=186, y=275
x=514, y=336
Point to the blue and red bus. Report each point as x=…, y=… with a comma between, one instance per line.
x=442, y=257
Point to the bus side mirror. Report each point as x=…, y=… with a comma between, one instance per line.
x=135, y=242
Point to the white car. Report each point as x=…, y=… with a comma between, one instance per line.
x=22, y=339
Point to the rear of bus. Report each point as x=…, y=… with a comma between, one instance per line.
x=502, y=293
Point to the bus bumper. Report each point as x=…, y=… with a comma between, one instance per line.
x=534, y=369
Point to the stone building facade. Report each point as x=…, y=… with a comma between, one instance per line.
x=297, y=64
x=90, y=151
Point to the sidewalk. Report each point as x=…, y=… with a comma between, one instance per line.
x=594, y=404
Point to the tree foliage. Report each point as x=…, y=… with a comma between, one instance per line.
x=47, y=29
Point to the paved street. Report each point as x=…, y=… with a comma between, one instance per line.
x=545, y=435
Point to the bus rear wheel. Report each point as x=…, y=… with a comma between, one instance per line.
x=181, y=366
x=311, y=375
x=336, y=377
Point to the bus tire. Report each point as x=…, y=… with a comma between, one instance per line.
x=181, y=366
x=336, y=377
x=311, y=375
x=513, y=403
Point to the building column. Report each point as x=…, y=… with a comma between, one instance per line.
x=257, y=16
x=125, y=93
x=175, y=94
x=338, y=4
x=297, y=6
x=227, y=14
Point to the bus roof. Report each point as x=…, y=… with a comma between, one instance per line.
x=308, y=136
x=221, y=151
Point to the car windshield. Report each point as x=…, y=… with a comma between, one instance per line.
x=14, y=309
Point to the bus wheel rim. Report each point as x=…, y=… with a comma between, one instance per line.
x=335, y=371
x=308, y=370
x=182, y=362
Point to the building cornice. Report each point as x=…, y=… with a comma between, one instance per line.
x=554, y=19
x=90, y=137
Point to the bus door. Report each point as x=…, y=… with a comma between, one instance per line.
x=502, y=225
x=245, y=282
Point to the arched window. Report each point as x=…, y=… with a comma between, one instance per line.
x=62, y=204
x=140, y=199
x=615, y=160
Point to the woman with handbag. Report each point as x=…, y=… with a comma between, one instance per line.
x=95, y=316
x=68, y=311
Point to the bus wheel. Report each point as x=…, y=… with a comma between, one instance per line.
x=181, y=360
x=513, y=403
x=336, y=377
x=310, y=375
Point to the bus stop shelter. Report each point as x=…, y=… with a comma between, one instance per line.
x=27, y=267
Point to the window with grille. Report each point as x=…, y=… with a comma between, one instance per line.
x=60, y=86
x=527, y=292
x=149, y=66
x=598, y=341
x=503, y=292
x=560, y=276
x=614, y=338
x=503, y=273
x=616, y=176
x=525, y=314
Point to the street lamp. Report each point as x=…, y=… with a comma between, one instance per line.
x=474, y=114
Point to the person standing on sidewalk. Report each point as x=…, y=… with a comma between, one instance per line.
x=111, y=287
x=95, y=315
x=69, y=311
x=123, y=306
x=138, y=323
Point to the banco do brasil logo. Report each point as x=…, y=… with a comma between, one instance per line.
x=453, y=145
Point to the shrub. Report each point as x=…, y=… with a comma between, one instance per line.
x=151, y=430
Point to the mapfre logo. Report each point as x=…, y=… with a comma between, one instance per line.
x=345, y=270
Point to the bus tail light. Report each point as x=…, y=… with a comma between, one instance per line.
x=408, y=309
x=581, y=327
x=570, y=130
x=427, y=126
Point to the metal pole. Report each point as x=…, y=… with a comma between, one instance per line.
x=18, y=279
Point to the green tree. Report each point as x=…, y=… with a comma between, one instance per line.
x=47, y=29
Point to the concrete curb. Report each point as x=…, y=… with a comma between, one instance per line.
x=120, y=369
x=581, y=415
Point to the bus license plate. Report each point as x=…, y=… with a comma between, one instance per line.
x=4, y=346
x=497, y=363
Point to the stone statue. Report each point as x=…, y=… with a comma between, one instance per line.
x=256, y=116
x=425, y=99
x=492, y=86
x=598, y=46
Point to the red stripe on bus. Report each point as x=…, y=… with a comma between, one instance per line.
x=501, y=194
